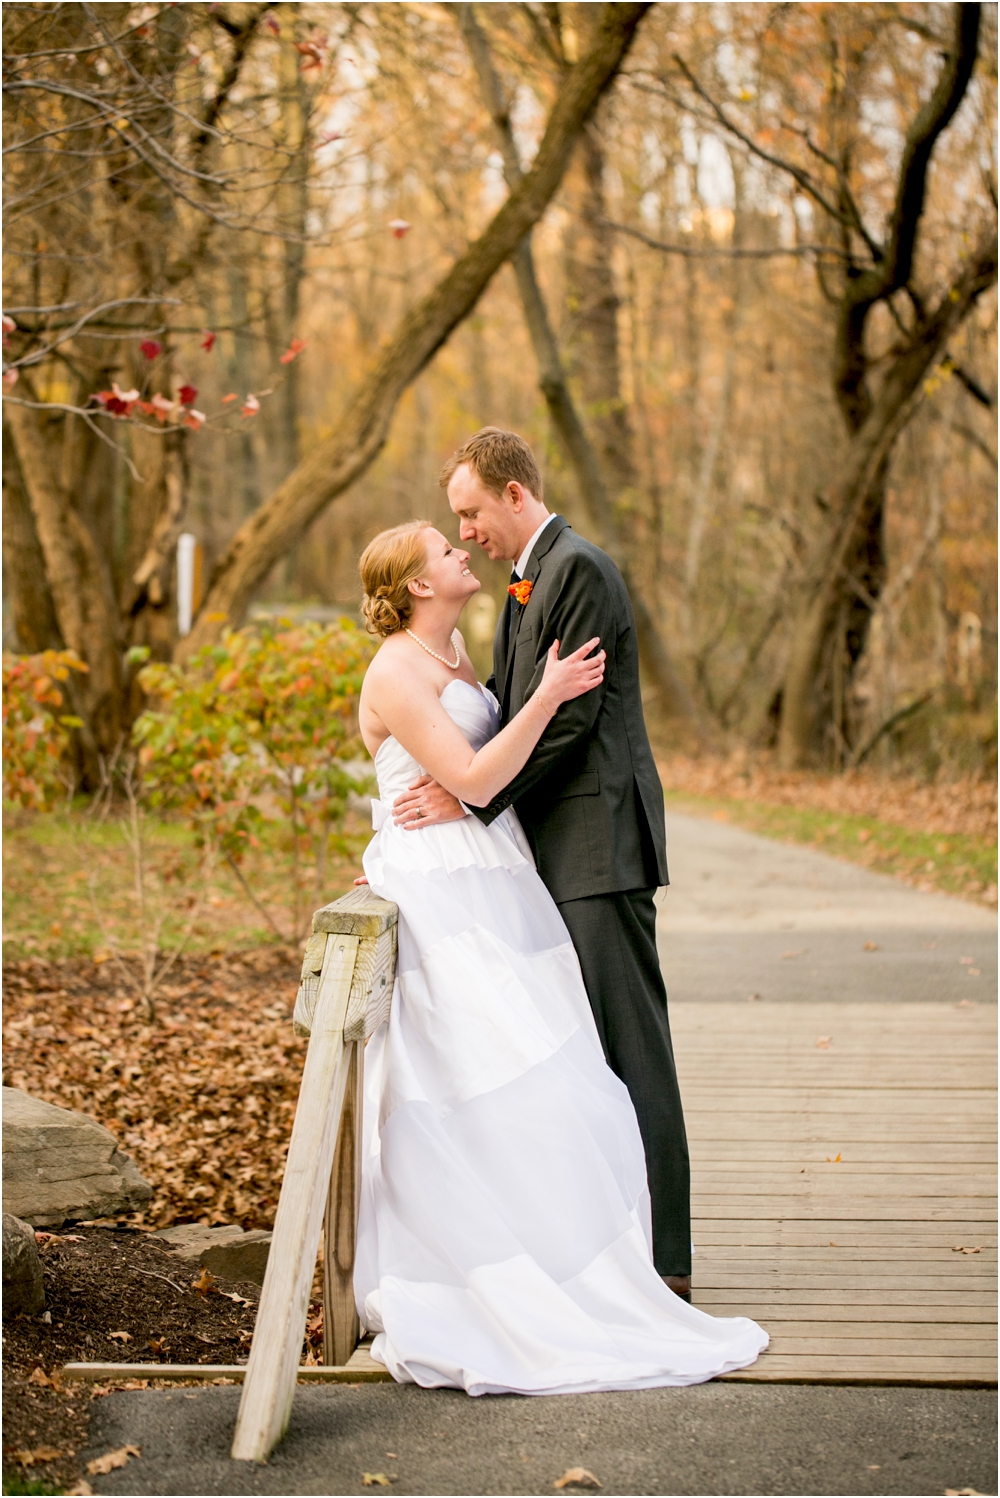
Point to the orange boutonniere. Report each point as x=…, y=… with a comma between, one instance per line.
x=521, y=592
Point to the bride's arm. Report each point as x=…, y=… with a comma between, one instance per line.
x=409, y=706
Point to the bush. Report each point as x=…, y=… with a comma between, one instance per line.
x=266, y=718
x=37, y=738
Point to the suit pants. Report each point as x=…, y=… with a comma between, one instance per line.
x=615, y=939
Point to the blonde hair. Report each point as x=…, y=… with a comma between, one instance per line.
x=388, y=564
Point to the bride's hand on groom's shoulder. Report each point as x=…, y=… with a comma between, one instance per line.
x=426, y=804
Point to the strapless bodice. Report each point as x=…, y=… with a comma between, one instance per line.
x=474, y=710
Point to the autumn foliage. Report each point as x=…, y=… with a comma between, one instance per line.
x=37, y=736
x=264, y=722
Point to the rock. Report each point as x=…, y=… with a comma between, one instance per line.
x=23, y=1289
x=228, y=1252
x=60, y=1166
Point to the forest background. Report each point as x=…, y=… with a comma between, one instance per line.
x=730, y=269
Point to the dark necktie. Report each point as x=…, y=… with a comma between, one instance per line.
x=515, y=577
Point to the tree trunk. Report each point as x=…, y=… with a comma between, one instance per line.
x=337, y=462
x=830, y=589
x=569, y=429
x=32, y=611
x=79, y=575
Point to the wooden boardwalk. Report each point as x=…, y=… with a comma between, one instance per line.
x=843, y=1154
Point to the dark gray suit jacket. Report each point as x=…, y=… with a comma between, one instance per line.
x=589, y=798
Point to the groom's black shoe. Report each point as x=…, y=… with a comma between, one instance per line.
x=680, y=1284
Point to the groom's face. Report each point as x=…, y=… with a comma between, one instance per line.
x=488, y=519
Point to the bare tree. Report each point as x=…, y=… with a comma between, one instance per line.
x=877, y=393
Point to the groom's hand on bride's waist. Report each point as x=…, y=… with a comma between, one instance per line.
x=426, y=804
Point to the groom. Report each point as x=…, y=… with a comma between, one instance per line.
x=589, y=797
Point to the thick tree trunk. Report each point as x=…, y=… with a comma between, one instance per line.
x=78, y=574
x=32, y=611
x=577, y=447
x=829, y=594
x=336, y=463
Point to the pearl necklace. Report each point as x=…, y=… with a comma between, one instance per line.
x=452, y=665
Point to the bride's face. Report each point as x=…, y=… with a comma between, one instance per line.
x=446, y=574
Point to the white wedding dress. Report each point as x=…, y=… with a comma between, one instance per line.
x=504, y=1238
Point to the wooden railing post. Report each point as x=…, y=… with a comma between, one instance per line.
x=340, y=1238
x=345, y=994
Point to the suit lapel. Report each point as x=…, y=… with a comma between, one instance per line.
x=532, y=571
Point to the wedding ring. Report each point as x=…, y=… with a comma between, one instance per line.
x=420, y=811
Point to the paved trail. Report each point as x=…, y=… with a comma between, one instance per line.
x=826, y=948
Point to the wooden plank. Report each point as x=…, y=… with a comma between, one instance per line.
x=854, y=1295
x=340, y=1317
x=269, y=1386
x=812, y=1333
x=922, y=1315
x=750, y=1280
x=848, y=1259
x=765, y=1206
x=361, y=1368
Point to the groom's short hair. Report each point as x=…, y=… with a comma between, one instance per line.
x=497, y=458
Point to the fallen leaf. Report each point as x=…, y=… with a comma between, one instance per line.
x=119, y=1337
x=874, y=1469
x=577, y=1477
x=959, y=1249
x=871, y=946
x=112, y=1459
x=272, y=25
x=963, y=1493
x=371, y=1479
x=205, y=1283
x=966, y=961
x=40, y=1377
x=753, y=997
x=974, y=972
x=796, y=952
x=239, y=1299
x=80, y=1489
x=835, y=1161
x=824, y=1042
x=392, y=1456
x=39, y=1454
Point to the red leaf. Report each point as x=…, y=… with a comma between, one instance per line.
x=250, y=406
x=151, y=347
x=399, y=227
x=292, y=351
x=232, y=396
x=194, y=419
x=187, y=395
x=272, y=25
x=207, y=340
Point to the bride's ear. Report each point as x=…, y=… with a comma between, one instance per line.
x=419, y=588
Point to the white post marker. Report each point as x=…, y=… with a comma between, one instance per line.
x=186, y=554
x=346, y=992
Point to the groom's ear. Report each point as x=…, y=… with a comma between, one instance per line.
x=515, y=494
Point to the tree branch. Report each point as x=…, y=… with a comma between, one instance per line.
x=336, y=463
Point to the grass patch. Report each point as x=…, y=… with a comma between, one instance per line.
x=58, y=865
x=954, y=863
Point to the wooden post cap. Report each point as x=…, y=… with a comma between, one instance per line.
x=358, y=913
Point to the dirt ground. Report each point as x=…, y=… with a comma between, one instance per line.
x=113, y=1295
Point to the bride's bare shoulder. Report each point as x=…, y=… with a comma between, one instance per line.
x=395, y=663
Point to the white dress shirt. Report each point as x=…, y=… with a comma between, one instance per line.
x=522, y=560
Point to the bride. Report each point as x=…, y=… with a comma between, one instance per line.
x=504, y=1240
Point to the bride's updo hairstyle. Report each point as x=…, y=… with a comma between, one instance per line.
x=388, y=565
